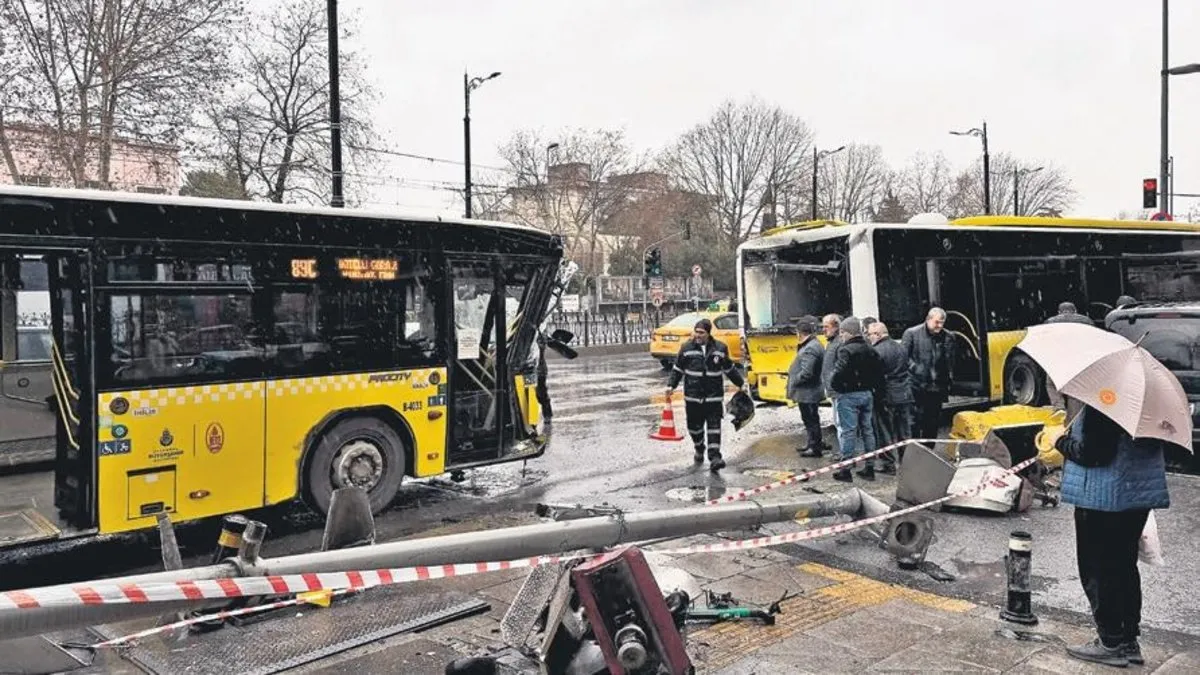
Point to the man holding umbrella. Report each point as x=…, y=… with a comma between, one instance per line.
x=1122, y=406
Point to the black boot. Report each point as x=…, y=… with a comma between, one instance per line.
x=812, y=451
x=867, y=472
x=888, y=468
x=699, y=456
x=843, y=475
x=715, y=463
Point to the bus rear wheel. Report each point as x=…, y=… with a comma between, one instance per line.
x=359, y=451
x=1024, y=381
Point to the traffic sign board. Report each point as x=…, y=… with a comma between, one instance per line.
x=656, y=297
x=1161, y=215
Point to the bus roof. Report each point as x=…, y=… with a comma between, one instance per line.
x=827, y=229
x=248, y=205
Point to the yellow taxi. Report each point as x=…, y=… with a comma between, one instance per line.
x=666, y=340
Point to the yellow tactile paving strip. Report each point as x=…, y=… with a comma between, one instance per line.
x=730, y=642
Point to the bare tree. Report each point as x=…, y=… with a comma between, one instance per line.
x=573, y=189
x=926, y=184
x=1043, y=190
x=87, y=72
x=851, y=182
x=744, y=156
x=274, y=131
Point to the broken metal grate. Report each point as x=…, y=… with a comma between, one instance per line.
x=289, y=641
x=517, y=626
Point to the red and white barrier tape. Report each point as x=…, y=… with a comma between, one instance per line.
x=846, y=463
x=221, y=589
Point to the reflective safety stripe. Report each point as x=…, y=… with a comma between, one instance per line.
x=716, y=375
x=694, y=373
x=678, y=369
x=693, y=353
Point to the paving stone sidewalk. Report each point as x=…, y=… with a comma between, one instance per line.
x=842, y=622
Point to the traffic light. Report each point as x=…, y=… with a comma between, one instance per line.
x=1150, y=193
x=687, y=229
x=652, y=265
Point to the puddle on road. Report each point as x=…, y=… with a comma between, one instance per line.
x=991, y=573
x=697, y=494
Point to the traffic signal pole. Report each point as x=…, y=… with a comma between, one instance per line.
x=1163, y=154
x=685, y=233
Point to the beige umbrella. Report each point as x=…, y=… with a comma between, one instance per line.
x=1114, y=376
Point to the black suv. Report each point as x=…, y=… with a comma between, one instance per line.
x=1171, y=333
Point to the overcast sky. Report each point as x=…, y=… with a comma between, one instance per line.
x=1070, y=82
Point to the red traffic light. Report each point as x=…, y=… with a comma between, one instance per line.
x=1150, y=184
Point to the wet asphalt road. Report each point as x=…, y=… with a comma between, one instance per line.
x=600, y=453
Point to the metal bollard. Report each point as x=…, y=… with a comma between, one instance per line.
x=233, y=527
x=230, y=539
x=1020, y=570
x=252, y=540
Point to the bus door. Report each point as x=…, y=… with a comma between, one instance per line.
x=954, y=285
x=476, y=387
x=493, y=340
x=46, y=388
x=71, y=375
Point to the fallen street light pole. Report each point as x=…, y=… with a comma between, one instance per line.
x=488, y=545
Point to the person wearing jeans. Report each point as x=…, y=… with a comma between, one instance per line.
x=857, y=375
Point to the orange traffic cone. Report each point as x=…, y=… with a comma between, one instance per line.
x=666, y=428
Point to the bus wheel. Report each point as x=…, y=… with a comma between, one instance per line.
x=1024, y=381
x=359, y=451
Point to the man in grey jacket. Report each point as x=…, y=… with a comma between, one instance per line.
x=804, y=383
x=831, y=325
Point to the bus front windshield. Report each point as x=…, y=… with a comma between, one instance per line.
x=781, y=285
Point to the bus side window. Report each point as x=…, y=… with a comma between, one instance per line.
x=200, y=337
x=349, y=325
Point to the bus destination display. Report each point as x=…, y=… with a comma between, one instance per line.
x=368, y=269
x=358, y=269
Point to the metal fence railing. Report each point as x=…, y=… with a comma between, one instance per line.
x=608, y=327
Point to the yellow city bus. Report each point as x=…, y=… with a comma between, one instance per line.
x=208, y=356
x=994, y=275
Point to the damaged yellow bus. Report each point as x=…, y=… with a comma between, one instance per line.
x=203, y=357
x=994, y=275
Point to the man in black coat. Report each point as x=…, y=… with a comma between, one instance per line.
x=804, y=383
x=930, y=351
x=703, y=364
x=857, y=374
x=896, y=397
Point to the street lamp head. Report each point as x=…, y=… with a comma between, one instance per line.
x=837, y=149
x=494, y=75
x=552, y=146
x=978, y=133
x=1188, y=69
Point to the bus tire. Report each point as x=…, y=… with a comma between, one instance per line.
x=1024, y=381
x=360, y=450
